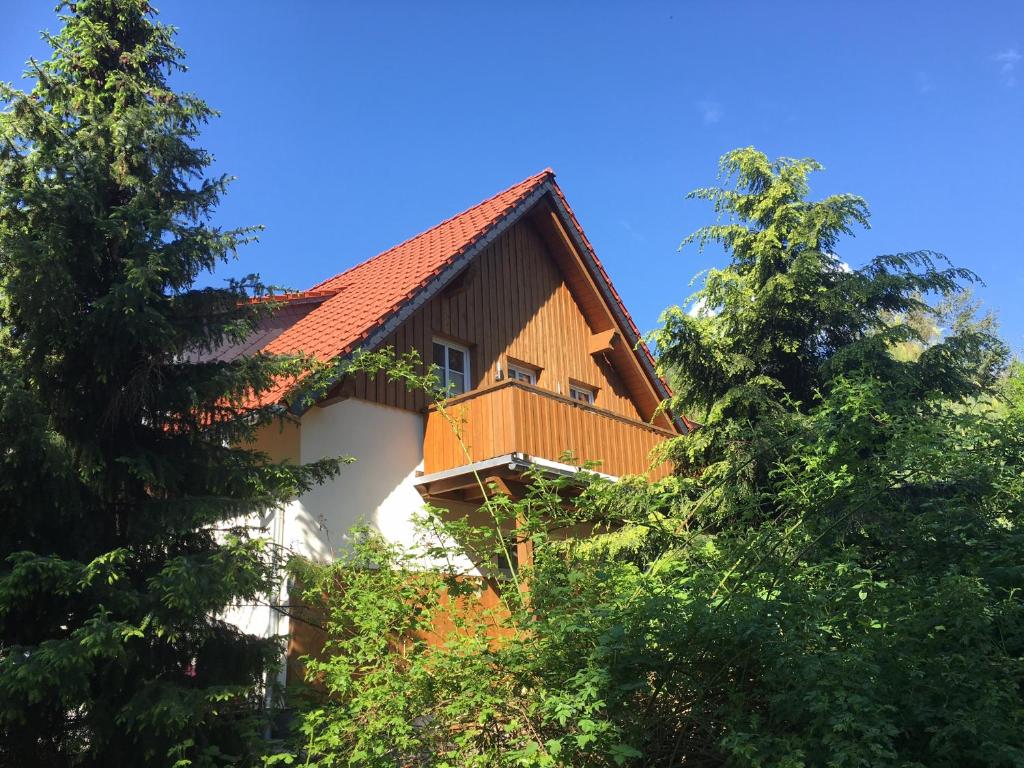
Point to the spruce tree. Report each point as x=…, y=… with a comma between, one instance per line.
x=124, y=472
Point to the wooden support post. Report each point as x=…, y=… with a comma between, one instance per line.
x=500, y=483
x=450, y=484
x=521, y=536
x=524, y=546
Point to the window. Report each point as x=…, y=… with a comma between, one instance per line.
x=505, y=567
x=581, y=394
x=452, y=362
x=519, y=373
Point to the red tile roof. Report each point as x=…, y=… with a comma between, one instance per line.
x=364, y=297
x=370, y=292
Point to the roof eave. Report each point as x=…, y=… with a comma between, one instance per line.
x=603, y=284
x=436, y=284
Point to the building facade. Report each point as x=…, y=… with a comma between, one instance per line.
x=510, y=302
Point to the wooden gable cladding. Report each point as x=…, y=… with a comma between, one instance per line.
x=584, y=287
x=514, y=302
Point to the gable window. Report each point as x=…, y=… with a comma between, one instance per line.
x=520, y=373
x=581, y=394
x=452, y=362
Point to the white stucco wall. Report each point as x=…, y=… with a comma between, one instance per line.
x=377, y=489
x=261, y=619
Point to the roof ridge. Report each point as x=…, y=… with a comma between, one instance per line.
x=370, y=297
x=292, y=296
x=528, y=183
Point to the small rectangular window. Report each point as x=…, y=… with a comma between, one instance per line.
x=507, y=566
x=452, y=362
x=519, y=373
x=581, y=394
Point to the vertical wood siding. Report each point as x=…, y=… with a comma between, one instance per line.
x=517, y=417
x=513, y=303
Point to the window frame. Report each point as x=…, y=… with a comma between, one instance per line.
x=446, y=369
x=506, y=568
x=517, y=372
x=590, y=392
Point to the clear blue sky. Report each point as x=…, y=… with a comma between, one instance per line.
x=352, y=126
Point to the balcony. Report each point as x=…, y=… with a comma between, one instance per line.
x=518, y=418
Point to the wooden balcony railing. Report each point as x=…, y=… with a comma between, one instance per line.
x=513, y=417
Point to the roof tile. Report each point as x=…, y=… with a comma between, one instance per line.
x=368, y=293
x=361, y=299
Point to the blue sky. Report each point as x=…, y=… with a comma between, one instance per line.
x=352, y=126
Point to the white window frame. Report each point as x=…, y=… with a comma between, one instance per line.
x=579, y=389
x=521, y=373
x=445, y=371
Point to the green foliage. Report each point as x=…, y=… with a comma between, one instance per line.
x=779, y=313
x=1011, y=388
x=124, y=477
x=959, y=314
x=832, y=578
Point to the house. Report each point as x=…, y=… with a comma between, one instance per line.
x=510, y=301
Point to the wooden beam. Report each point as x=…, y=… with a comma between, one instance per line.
x=524, y=546
x=473, y=494
x=449, y=484
x=456, y=495
x=460, y=281
x=603, y=342
x=500, y=485
x=591, y=297
x=466, y=487
x=343, y=390
x=513, y=488
x=606, y=317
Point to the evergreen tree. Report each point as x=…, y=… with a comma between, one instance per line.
x=786, y=304
x=786, y=318
x=959, y=313
x=124, y=472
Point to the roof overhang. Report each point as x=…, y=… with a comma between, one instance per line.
x=468, y=482
x=546, y=189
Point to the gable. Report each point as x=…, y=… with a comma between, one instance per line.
x=370, y=294
x=512, y=304
x=372, y=301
